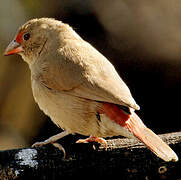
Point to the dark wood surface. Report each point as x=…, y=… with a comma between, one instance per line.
x=124, y=159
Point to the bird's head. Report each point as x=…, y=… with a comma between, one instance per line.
x=32, y=38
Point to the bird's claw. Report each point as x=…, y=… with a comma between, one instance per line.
x=93, y=139
x=39, y=144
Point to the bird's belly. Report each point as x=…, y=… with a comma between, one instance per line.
x=77, y=115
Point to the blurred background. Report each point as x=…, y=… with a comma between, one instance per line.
x=141, y=38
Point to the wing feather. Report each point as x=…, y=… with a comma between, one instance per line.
x=84, y=72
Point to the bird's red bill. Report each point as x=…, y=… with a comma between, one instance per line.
x=14, y=51
x=13, y=48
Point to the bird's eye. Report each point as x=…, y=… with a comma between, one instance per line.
x=26, y=36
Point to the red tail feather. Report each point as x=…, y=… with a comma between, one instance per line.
x=135, y=125
x=115, y=113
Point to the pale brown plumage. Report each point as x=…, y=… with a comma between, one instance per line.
x=92, y=74
x=78, y=87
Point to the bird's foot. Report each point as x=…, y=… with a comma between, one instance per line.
x=52, y=140
x=93, y=139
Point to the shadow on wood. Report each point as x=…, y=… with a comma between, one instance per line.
x=125, y=158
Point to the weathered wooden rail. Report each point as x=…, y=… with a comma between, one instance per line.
x=124, y=159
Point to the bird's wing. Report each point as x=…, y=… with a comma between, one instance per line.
x=86, y=73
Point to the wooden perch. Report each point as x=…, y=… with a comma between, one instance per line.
x=124, y=159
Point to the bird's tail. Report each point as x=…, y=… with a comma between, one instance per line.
x=134, y=124
x=149, y=138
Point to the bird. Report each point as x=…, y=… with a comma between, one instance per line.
x=79, y=88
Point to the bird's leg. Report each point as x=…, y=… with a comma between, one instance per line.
x=93, y=139
x=52, y=140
